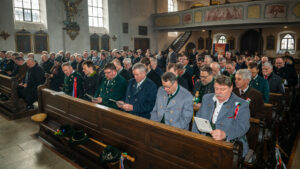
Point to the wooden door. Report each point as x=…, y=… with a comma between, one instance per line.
x=141, y=43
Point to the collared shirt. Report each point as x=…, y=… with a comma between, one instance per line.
x=170, y=95
x=243, y=91
x=217, y=108
x=255, y=77
x=120, y=70
x=140, y=83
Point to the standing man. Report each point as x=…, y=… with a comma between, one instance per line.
x=113, y=86
x=172, y=58
x=174, y=104
x=258, y=82
x=244, y=91
x=228, y=114
x=28, y=90
x=140, y=94
x=72, y=81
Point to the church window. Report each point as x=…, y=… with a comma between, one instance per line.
x=171, y=6
x=287, y=42
x=27, y=10
x=96, y=17
x=222, y=39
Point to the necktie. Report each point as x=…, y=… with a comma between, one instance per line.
x=266, y=77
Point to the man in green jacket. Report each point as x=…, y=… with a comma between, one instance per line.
x=72, y=81
x=112, y=88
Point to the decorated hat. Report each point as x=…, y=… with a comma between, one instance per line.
x=66, y=130
x=78, y=137
x=110, y=154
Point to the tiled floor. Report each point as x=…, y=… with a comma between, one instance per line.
x=19, y=149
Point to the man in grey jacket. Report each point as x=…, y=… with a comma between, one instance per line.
x=174, y=104
x=228, y=114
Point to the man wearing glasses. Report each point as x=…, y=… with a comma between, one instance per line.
x=205, y=85
x=174, y=104
x=112, y=88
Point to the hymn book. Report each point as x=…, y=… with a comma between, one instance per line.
x=203, y=125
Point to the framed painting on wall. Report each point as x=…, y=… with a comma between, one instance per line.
x=41, y=42
x=23, y=41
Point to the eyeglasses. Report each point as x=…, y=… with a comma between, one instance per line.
x=166, y=87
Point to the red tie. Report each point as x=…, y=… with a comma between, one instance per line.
x=266, y=77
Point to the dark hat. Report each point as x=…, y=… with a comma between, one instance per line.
x=66, y=130
x=78, y=137
x=110, y=154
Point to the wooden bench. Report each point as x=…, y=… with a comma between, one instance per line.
x=152, y=144
x=13, y=107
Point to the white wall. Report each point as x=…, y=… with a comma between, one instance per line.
x=135, y=12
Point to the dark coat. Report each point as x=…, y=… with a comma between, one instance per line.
x=155, y=78
x=287, y=73
x=261, y=85
x=189, y=79
x=125, y=74
x=254, y=98
x=275, y=83
x=47, y=66
x=57, y=80
x=90, y=85
x=159, y=71
x=19, y=72
x=142, y=98
x=183, y=82
x=135, y=60
x=80, y=69
x=172, y=58
x=203, y=89
x=36, y=77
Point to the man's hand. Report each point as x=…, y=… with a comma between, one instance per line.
x=218, y=134
x=97, y=100
x=128, y=107
x=197, y=106
x=120, y=104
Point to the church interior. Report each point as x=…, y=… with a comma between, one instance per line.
x=130, y=84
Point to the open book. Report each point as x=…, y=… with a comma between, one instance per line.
x=203, y=125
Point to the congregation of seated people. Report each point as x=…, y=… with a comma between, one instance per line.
x=164, y=87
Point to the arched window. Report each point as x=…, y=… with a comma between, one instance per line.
x=171, y=6
x=222, y=39
x=96, y=14
x=27, y=10
x=287, y=42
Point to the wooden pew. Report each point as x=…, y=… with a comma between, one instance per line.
x=13, y=107
x=152, y=144
x=255, y=137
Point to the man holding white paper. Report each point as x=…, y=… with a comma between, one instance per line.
x=227, y=113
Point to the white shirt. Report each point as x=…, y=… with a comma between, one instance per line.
x=243, y=90
x=217, y=108
x=138, y=84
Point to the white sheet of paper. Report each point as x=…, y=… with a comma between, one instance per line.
x=203, y=125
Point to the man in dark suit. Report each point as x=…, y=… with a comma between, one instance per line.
x=287, y=73
x=244, y=91
x=91, y=79
x=172, y=58
x=141, y=93
x=46, y=63
x=153, y=63
x=185, y=61
x=72, y=81
x=121, y=71
x=227, y=113
x=151, y=74
x=275, y=81
x=181, y=72
x=79, y=61
x=230, y=71
x=181, y=81
x=258, y=82
x=36, y=77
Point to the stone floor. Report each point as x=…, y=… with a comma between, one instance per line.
x=21, y=149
